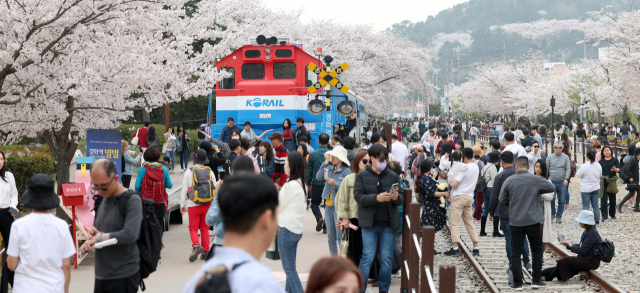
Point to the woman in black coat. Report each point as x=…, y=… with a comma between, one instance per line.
x=588, y=250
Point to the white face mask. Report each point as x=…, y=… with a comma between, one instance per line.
x=235, y=137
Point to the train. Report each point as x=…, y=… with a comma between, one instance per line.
x=270, y=81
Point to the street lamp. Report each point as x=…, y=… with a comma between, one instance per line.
x=553, y=104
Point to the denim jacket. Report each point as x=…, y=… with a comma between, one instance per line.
x=342, y=172
x=128, y=164
x=214, y=218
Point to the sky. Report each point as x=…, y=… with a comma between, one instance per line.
x=380, y=13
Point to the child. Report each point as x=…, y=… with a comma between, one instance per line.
x=40, y=245
x=456, y=166
x=166, y=161
x=443, y=185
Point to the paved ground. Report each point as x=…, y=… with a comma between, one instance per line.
x=175, y=269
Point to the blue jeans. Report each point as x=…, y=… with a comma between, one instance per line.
x=487, y=201
x=288, y=247
x=172, y=155
x=591, y=198
x=473, y=139
x=567, y=195
x=625, y=137
x=432, y=153
x=561, y=192
x=184, y=157
x=330, y=220
x=506, y=229
x=377, y=238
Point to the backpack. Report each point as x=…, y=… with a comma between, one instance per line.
x=481, y=184
x=573, y=168
x=153, y=184
x=150, y=240
x=625, y=174
x=608, y=251
x=203, y=188
x=216, y=279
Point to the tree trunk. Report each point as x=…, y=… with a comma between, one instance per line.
x=62, y=147
x=145, y=116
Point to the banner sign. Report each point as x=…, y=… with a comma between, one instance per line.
x=327, y=125
x=105, y=144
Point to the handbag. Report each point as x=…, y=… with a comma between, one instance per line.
x=134, y=141
x=344, y=244
x=164, y=148
x=272, y=252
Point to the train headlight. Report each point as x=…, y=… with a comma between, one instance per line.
x=267, y=58
x=316, y=106
x=346, y=108
x=267, y=50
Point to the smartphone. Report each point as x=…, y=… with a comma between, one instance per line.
x=221, y=174
x=561, y=237
x=15, y=213
x=352, y=226
x=394, y=188
x=326, y=173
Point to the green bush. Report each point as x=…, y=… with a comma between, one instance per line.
x=26, y=161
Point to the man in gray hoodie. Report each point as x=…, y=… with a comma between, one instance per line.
x=559, y=166
x=521, y=193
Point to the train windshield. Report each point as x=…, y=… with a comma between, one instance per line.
x=228, y=82
x=284, y=70
x=253, y=71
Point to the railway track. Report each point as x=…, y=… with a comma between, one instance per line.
x=492, y=263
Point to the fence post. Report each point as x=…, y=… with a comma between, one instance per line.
x=406, y=242
x=575, y=147
x=615, y=146
x=428, y=239
x=447, y=278
x=414, y=261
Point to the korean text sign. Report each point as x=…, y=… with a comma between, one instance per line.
x=105, y=144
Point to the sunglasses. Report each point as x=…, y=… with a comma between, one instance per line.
x=382, y=160
x=537, y=147
x=365, y=161
x=99, y=188
x=557, y=148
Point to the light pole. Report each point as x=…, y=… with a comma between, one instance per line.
x=553, y=104
x=581, y=106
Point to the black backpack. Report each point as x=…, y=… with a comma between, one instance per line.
x=216, y=279
x=608, y=251
x=150, y=240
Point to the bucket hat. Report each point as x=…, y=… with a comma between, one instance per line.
x=340, y=153
x=494, y=157
x=200, y=157
x=427, y=146
x=586, y=217
x=40, y=194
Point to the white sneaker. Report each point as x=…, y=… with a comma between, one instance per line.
x=181, y=170
x=398, y=275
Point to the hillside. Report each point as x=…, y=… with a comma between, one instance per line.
x=484, y=31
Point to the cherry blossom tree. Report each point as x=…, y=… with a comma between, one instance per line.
x=66, y=66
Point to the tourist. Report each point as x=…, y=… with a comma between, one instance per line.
x=511, y=146
x=300, y=131
x=141, y=134
x=559, y=172
x=153, y=175
x=493, y=134
x=536, y=135
x=169, y=139
x=249, y=216
x=429, y=198
x=333, y=275
x=534, y=155
x=540, y=169
x=347, y=207
x=625, y=131
x=473, y=132
x=247, y=150
x=302, y=149
x=349, y=143
x=153, y=139
x=197, y=211
x=316, y=186
x=445, y=139
x=117, y=267
x=400, y=152
x=522, y=194
x=333, y=171
x=225, y=132
x=608, y=183
x=526, y=141
x=127, y=164
x=478, y=198
x=215, y=157
x=376, y=210
x=463, y=187
x=588, y=252
x=305, y=141
x=247, y=132
x=41, y=246
x=589, y=174
x=266, y=153
x=287, y=135
x=632, y=183
x=489, y=173
x=8, y=201
x=280, y=154
x=183, y=150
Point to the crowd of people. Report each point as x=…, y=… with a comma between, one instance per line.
x=508, y=180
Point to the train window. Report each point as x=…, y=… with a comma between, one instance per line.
x=253, y=71
x=310, y=77
x=283, y=53
x=252, y=54
x=362, y=112
x=284, y=70
x=228, y=82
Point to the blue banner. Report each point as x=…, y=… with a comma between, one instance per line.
x=327, y=124
x=105, y=144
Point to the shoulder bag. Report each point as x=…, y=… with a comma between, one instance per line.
x=134, y=141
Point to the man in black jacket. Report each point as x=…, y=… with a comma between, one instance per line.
x=503, y=211
x=300, y=131
x=378, y=214
x=632, y=184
